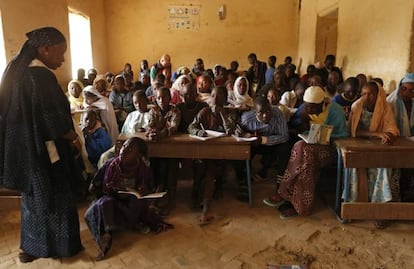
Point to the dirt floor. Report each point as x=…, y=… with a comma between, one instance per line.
x=241, y=237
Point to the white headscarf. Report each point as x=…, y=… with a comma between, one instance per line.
x=239, y=99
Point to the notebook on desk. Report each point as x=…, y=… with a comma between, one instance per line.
x=210, y=135
x=318, y=134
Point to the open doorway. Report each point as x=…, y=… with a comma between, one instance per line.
x=3, y=61
x=326, y=35
x=80, y=42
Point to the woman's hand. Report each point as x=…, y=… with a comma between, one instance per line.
x=386, y=138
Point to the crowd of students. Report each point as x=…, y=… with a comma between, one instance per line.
x=272, y=103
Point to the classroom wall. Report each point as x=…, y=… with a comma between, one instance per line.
x=21, y=16
x=139, y=29
x=373, y=36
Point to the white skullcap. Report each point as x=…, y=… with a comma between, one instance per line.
x=314, y=94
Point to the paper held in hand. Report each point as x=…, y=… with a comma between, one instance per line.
x=210, y=135
x=318, y=134
x=148, y=196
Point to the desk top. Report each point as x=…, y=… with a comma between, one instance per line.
x=185, y=139
x=183, y=146
x=370, y=153
x=364, y=144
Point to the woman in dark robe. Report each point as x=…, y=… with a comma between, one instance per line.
x=37, y=144
x=115, y=210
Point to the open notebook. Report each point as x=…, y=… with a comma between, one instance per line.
x=210, y=135
x=318, y=134
x=148, y=196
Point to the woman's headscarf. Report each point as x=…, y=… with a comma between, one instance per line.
x=404, y=123
x=382, y=117
x=239, y=99
x=46, y=36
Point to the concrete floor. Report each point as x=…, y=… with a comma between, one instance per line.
x=241, y=237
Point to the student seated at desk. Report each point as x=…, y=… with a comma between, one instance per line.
x=297, y=186
x=137, y=121
x=212, y=118
x=371, y=117
x=97, y=140
x=164, y=121
x=402, y=104
x=190, y=108
x=94, y=100
x=269, y=125
x=113, y=211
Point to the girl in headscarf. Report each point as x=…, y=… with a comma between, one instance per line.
x=37, y=143
x=241, y=98
x=371, y=117
x=177, y=88
x=95, y=100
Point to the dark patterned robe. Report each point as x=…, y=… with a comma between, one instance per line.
x=39, y=112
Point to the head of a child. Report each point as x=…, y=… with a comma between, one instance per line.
x=280, y=78
x=144, y=65
x=89, y=96
x=109, y=77
x=127, y=68
x=140, y=101
x=100, y=84
x=314, y=100
x=273, y=96
x=263, y=109
x=92, y=73
x=204, y=83
x=160, y=78
x=165, y=60
x=132, y=150
x=234, y=65
x=119, y=84
x=219, y=96
x=199, y=65
x=90, y=119
x=156, y=86
x=300, y=90
x=164, y=98
x=351, y=87
x=241, y=85
x=189, y=93
x=272, y=61
x=75, y=88
x=229, y=85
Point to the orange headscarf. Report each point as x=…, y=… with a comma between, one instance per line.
x=382, y=117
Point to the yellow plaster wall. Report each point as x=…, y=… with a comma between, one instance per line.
x=21, y=16
x=373, y=36
x=139, y=29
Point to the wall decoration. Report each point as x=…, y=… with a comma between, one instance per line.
x=184, y=17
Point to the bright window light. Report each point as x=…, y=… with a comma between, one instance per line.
x=80, y=42
x=3, y=61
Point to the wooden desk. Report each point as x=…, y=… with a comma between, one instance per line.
x=370, y=153
x=183, y=146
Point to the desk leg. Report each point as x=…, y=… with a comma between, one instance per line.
x=249, y=182
x=346, y=184
x=338, y=183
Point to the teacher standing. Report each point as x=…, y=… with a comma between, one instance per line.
x=37, y=145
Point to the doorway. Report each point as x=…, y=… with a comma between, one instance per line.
x=326, y=35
